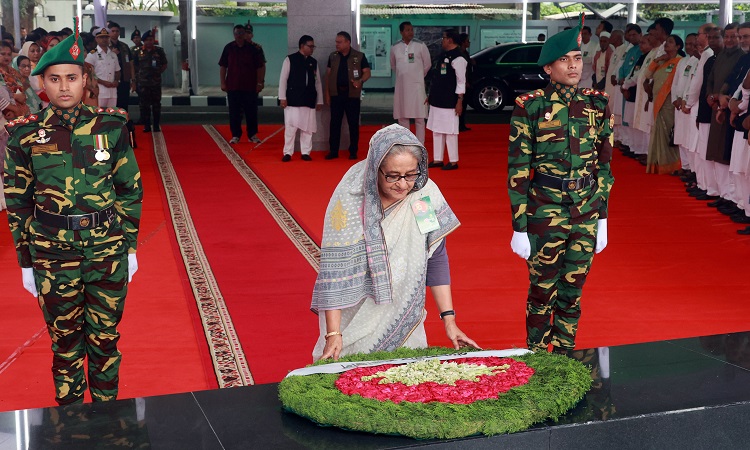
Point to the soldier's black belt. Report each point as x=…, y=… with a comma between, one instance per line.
x=563, y=184
x=76, y=222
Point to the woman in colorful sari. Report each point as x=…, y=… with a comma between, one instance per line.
x=383, y=243
x=23, y=65
x=663, y=155
x=34, y=52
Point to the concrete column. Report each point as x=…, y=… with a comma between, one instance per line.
x=321, y=19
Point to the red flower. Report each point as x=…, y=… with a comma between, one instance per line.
x=464, y=392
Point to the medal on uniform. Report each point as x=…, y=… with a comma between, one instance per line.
x=101, y=145
x=42, y=139
x=425, y=215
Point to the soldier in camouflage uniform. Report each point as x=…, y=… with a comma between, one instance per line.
x=559, y=182
x=150, y=62
x=74, y=203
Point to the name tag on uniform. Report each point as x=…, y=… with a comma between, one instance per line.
x=549, y=124
x=44, y=148
x=669, y=68
x=443, y=69
x=411, y=57
x=355, y=72
x=425, y=214
x=687, y=70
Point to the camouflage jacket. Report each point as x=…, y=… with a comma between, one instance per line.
x=569, y=141
x=148, y=65
x=55, y=169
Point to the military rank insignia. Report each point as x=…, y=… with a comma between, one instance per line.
x=42, y=136
x=101, y=145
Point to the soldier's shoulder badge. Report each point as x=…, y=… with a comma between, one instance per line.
x=23, y=120
x=114, y=112
x=524, y=99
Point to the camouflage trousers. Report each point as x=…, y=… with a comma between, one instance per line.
x=82, y=303
x=561, y=252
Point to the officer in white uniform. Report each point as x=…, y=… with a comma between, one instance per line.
x=106, y=69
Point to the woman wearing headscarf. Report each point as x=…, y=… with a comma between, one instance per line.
x=23, y=65
x=663, y=155
x=11, y=79
x=383, y=243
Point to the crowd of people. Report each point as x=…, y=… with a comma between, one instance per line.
x=681, y=106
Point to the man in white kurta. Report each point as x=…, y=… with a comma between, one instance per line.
x=302, y=118
x=106, y=69
x=589, y=46
x=613, y=88
x=410, y=59
x=443, y=120
x=680, y=83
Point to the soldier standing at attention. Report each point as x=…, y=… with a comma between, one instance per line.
x=74, y=197
x=150, y=62
x=559, y=182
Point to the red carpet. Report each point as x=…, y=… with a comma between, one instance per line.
x=673, y=268
x=161, y=351
x=264, y=280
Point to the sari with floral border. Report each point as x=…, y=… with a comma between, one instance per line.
x=373, y=261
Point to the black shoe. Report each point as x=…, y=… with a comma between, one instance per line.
x=157, y=128
x=717, y=203
x=697, y=192
x=286, y=158
x=147, y=129
x=306, y=158
x=746, y=231
x=435, y=164
x=707, y=197
x=740, y=218
x=450, y=166
x=464, y=129
x=332, y=156
x=731, y=210
x=352, y=156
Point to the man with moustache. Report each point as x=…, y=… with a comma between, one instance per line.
x=74, y=203
x=563, y=136
x=717, y=180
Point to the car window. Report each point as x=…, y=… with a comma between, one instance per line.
x=521, y=55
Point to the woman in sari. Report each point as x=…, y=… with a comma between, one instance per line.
x=383, y=243
x=33, y=51
x=11, y=79
x=663, y=155
x=23, y=65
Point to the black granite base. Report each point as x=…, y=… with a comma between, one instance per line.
x=689, y=393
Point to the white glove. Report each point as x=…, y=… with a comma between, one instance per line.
x=27, y=273
x=132, y=266
x=601, y=235
x=521, y=245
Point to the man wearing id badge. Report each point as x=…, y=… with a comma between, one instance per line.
x=410, y=59
x=347, y=71
x=559, y=181
x=74, y=195
x=150, y=62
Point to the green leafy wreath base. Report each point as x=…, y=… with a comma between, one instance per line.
x=557, y=385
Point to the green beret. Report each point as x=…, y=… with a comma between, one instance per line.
x=69, y=51
x=560, y=44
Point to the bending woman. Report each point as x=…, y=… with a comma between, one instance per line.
x=383, y=243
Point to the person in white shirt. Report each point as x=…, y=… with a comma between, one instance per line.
x=106, y=69
x=300, y=94
x=589, y=46
x=410, y=59
x=680, y=83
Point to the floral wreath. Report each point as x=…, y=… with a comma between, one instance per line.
x=432, y=399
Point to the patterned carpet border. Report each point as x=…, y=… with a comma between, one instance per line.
x=229, y=361
x=306, y=246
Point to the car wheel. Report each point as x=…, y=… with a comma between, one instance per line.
x=489, y=97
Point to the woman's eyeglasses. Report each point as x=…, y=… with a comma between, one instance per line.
x=410, y=178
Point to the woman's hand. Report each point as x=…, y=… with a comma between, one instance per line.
x=333, y=347
x=457, y=337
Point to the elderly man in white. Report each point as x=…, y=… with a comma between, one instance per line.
x=410, y=59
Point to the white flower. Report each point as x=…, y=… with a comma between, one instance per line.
x=433, y=370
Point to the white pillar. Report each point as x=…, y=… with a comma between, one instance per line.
x=633, y=12
x=523, y=20
x=322, y=19
x=725, y=12
x=192, y=26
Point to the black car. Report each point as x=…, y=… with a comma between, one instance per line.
x=503, y=72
